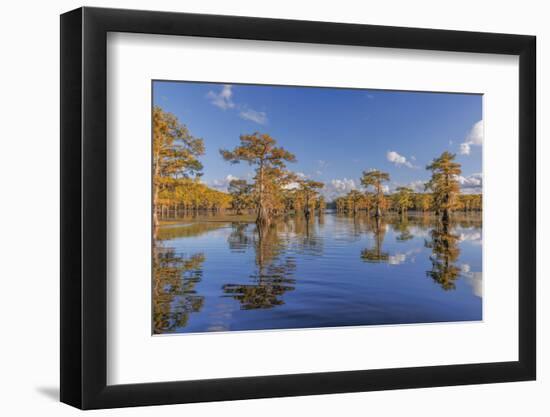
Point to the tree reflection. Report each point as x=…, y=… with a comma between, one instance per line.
x=170, y=232
x=174, y=296
x=402, y=227
x=239, y=239
x=468, y=220
x=321, y=217
x=274, y=274
x=445, y=252
x=307, y=238
x=375, y=254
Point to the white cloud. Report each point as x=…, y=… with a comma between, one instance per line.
x=474, y=137
x=417, y=186
x=259, y=117
x=223, y=98
x=472, y=184
x=465, y=149
x=470, y=236
x=344, y=184
x=399, y=258
x=398, y=160
x=474, y=180
x=222, y=184
x=291, y=186
x=395, y=158
x=474, y=279
x=338, y=187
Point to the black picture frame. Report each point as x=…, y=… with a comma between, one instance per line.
x=84, y=207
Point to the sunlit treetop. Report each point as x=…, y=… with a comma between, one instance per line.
x=258, y=148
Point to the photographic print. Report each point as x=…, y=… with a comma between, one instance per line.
x=296, y=207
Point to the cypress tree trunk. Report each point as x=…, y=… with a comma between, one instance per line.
x=262, y=217
x=446, y=215
x=155, y=216
x=378, y=212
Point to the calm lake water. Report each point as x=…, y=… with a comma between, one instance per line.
x=333, y=270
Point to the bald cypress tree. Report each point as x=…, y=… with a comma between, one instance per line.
x=375, y=179
x=444, y=184
x=260, y=150
x=175, y=155
x=310, y=190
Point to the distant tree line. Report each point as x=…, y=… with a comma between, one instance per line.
x=442, y=193
x=191, y=195
x=402, y=200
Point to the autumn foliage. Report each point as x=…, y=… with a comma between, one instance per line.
x=274, y=190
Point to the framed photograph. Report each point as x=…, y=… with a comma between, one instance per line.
x=258, y=208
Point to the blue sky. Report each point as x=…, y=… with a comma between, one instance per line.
x=334, y=133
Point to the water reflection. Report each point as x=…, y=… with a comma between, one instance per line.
x=239, y=240
x=174, y=280
x=273, y=275
x=322, y=261
x=445, y=252
x=187, y=230
x=402, y=227
x=376, y=254
x=305, y=232
x=442, y=242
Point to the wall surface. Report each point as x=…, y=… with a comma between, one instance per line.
x=29, y=174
